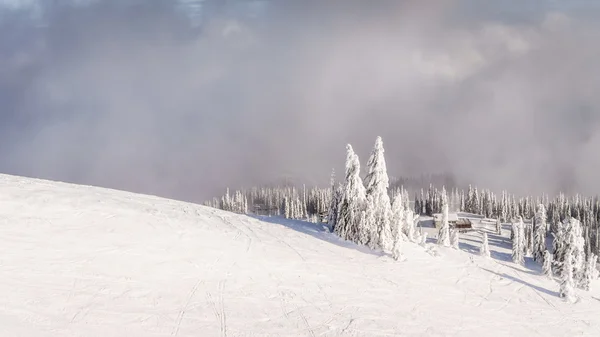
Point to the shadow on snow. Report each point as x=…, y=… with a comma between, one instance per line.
x=317, y=230
x=518, y=280
x=494, y=240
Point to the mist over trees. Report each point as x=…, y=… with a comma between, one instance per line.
x=534, y=217
x=368, y=212
x=135, y=94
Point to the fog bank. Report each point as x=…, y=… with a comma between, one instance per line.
x=135, y=99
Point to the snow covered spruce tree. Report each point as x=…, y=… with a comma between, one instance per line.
x=409, y=225
x=523, y=236
x=547, y=266
x=573, y=262
x=577, y=242
x=350, y=209
x=454, y=238
x=498, y=227
x=397, y=220
x=517, y=244
x=398, y=242
x=332, y=214
x=379, y=209
x=539, y=228
x=590, y=272
x=560, y=246
x=444, y=232
x=485, y=246
x=336, y=193
x=567, y=283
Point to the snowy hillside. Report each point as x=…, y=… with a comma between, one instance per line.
x=84, y=261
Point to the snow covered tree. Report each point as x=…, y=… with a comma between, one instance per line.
x=523, y=237
x=485, y=247
x=547, y=266
x=560, y=246
x=226, y=201
x=470, y=202
x=303, y=204
x=567, y=284
x=332, y=214
x=379, y=210
x=539, y=240
x=488, y=205
x=528, y=235
x=498, y=227
x=397, y=248
x=590, y=273
x=397, y=220
x=569, y=239
x=573, y=253
x=504, y=207
x=454, y=238
x=409, y=225
x=444, y=232
x=517, y=247
x=578, y=243
x=351, y=207
x=476, y=202
x=287, y=208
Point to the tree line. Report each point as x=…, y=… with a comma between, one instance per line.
x=561, y=234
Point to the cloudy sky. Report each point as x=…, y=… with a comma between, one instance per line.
x=502, y=96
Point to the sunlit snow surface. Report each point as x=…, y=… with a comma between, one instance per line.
x=84, y=261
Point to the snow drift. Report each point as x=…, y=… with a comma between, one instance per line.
x=86, y=261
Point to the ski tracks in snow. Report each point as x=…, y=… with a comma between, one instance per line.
x=286, y=313
x=185, y=307
x=219, y=308
x=278, y=239
x=249, y=234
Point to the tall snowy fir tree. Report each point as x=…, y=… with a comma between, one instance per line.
x=567, y=283
x=444, y=232
x=398, y=212
x=577, y=244
x=547, y=266
x=566, y=242
x=470, y=202
x=397, y=247
x=352, y=202
x=573, y=256
x=476, y=202
x=409, y=225
x=539, y=240
x=560, y=246
x=590, y=272
x=498, y=227
x=454, y=238
x=379, y=210
x=522, y=237
x=332, y=213
x=335, y=199
x=517, y=244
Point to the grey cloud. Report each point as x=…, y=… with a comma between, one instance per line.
x=140, y=103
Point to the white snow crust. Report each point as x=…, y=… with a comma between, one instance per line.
x=85, y=261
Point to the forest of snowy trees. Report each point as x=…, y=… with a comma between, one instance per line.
x=561, y=234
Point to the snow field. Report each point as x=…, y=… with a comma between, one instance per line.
x=85, y=261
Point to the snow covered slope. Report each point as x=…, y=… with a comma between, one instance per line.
x=85, y=261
